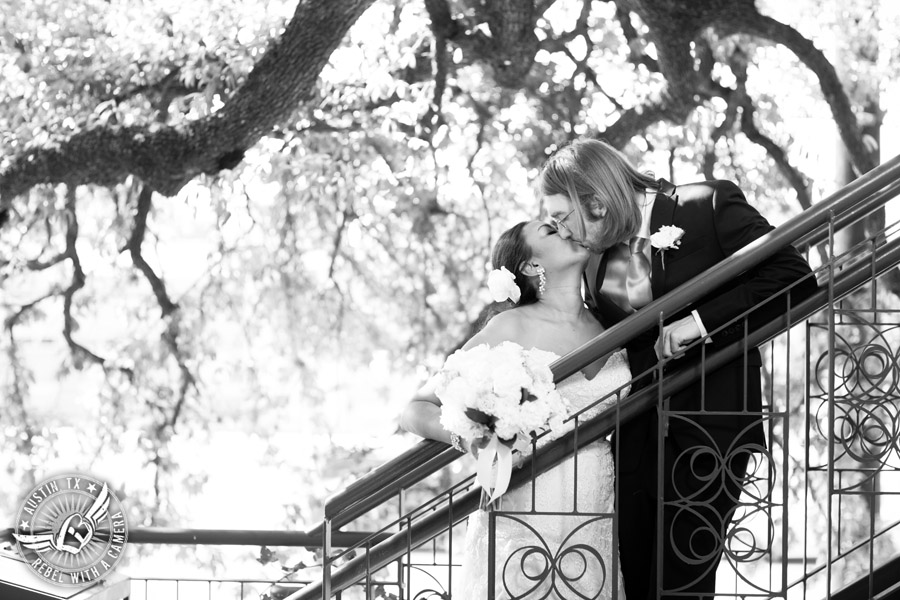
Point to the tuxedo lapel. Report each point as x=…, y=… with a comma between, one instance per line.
x=594, y=274
x=663, y=214
x=592, y=278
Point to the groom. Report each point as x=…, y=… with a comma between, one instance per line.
x=593, y=195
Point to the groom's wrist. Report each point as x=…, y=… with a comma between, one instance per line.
x=699, y=322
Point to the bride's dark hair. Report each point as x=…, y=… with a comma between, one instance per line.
x=511, y=251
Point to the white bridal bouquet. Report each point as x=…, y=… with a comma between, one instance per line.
x=500, y=393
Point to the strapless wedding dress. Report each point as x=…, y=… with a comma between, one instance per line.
x=558, y=543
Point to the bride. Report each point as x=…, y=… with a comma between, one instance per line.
x=564, y=546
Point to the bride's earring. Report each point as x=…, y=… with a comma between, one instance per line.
x=542, y=280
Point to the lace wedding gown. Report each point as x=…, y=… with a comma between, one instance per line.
x=563, y=547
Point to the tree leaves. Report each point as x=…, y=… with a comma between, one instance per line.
x=335, y=210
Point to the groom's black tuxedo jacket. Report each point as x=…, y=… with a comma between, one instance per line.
x=717, y=221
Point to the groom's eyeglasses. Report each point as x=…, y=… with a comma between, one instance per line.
x=561, y=223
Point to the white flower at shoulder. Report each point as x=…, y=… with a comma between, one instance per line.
x=502, y=285
x=667, y=237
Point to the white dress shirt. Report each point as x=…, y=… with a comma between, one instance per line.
x=644, y=232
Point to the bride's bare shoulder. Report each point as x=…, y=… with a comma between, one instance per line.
x=507, y=326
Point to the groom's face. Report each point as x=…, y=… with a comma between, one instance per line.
x=559, y=211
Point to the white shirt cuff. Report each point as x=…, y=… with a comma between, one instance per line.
x=703, y=332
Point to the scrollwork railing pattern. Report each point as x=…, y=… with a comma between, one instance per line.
x=580, y=566
x=863, y=423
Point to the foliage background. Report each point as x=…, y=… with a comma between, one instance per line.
x=247, y=354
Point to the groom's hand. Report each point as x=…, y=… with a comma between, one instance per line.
x=675, y=336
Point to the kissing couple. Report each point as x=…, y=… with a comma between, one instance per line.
x=626, y=239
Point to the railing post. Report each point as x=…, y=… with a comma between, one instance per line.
x=807, y=458
x=402, y=580
x=831, y=365
x=661, y=424
x=326, y=559
x=449, y=544
x=785, y=445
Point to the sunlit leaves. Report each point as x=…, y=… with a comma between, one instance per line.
x=329, y=272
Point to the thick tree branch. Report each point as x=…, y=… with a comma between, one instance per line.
x=169, y=308
x=166, y=158
x=740, y=99
x=637, y=119
x=709, y=155
x=79, y=352
x=513, y=43
x=582, y=66
x=706, y=60
x=634, y=41
x=542, y=6
x=732, y=98
x=443, y=27
x=672, y=28
x=765, y=27
x=41, y=265
x=171, y=339
x=144, y=203
x=793, y=175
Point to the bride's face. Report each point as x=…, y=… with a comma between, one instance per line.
x=552, y=249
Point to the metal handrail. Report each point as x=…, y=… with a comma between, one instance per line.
x=854, y=213
x=843, y=205
x=379, y=555
x=740, y=262
x=244, y=537
x=412, y=466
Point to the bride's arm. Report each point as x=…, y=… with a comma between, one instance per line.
x=422, y=416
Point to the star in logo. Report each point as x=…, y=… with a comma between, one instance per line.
x=92, y=488
x=24, y=525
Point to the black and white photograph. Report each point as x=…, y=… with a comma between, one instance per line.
x=450, y=300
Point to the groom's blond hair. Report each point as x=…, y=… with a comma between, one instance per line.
x=586, y=170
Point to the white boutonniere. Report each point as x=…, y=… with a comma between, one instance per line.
x=502, y=286
x=667, y=237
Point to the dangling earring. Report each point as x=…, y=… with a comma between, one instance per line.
x=542, y=280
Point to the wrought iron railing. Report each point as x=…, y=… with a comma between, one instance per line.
x=433, y=522
x=426, y=522
x=789, y=538
x=845, y=207
x=148, y=586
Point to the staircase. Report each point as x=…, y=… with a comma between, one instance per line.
x=819, y=513
x=881, y=584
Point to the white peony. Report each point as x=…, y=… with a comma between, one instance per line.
x=508, y=383
x=492, y=380
x=459, y=391
x=502, y=285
